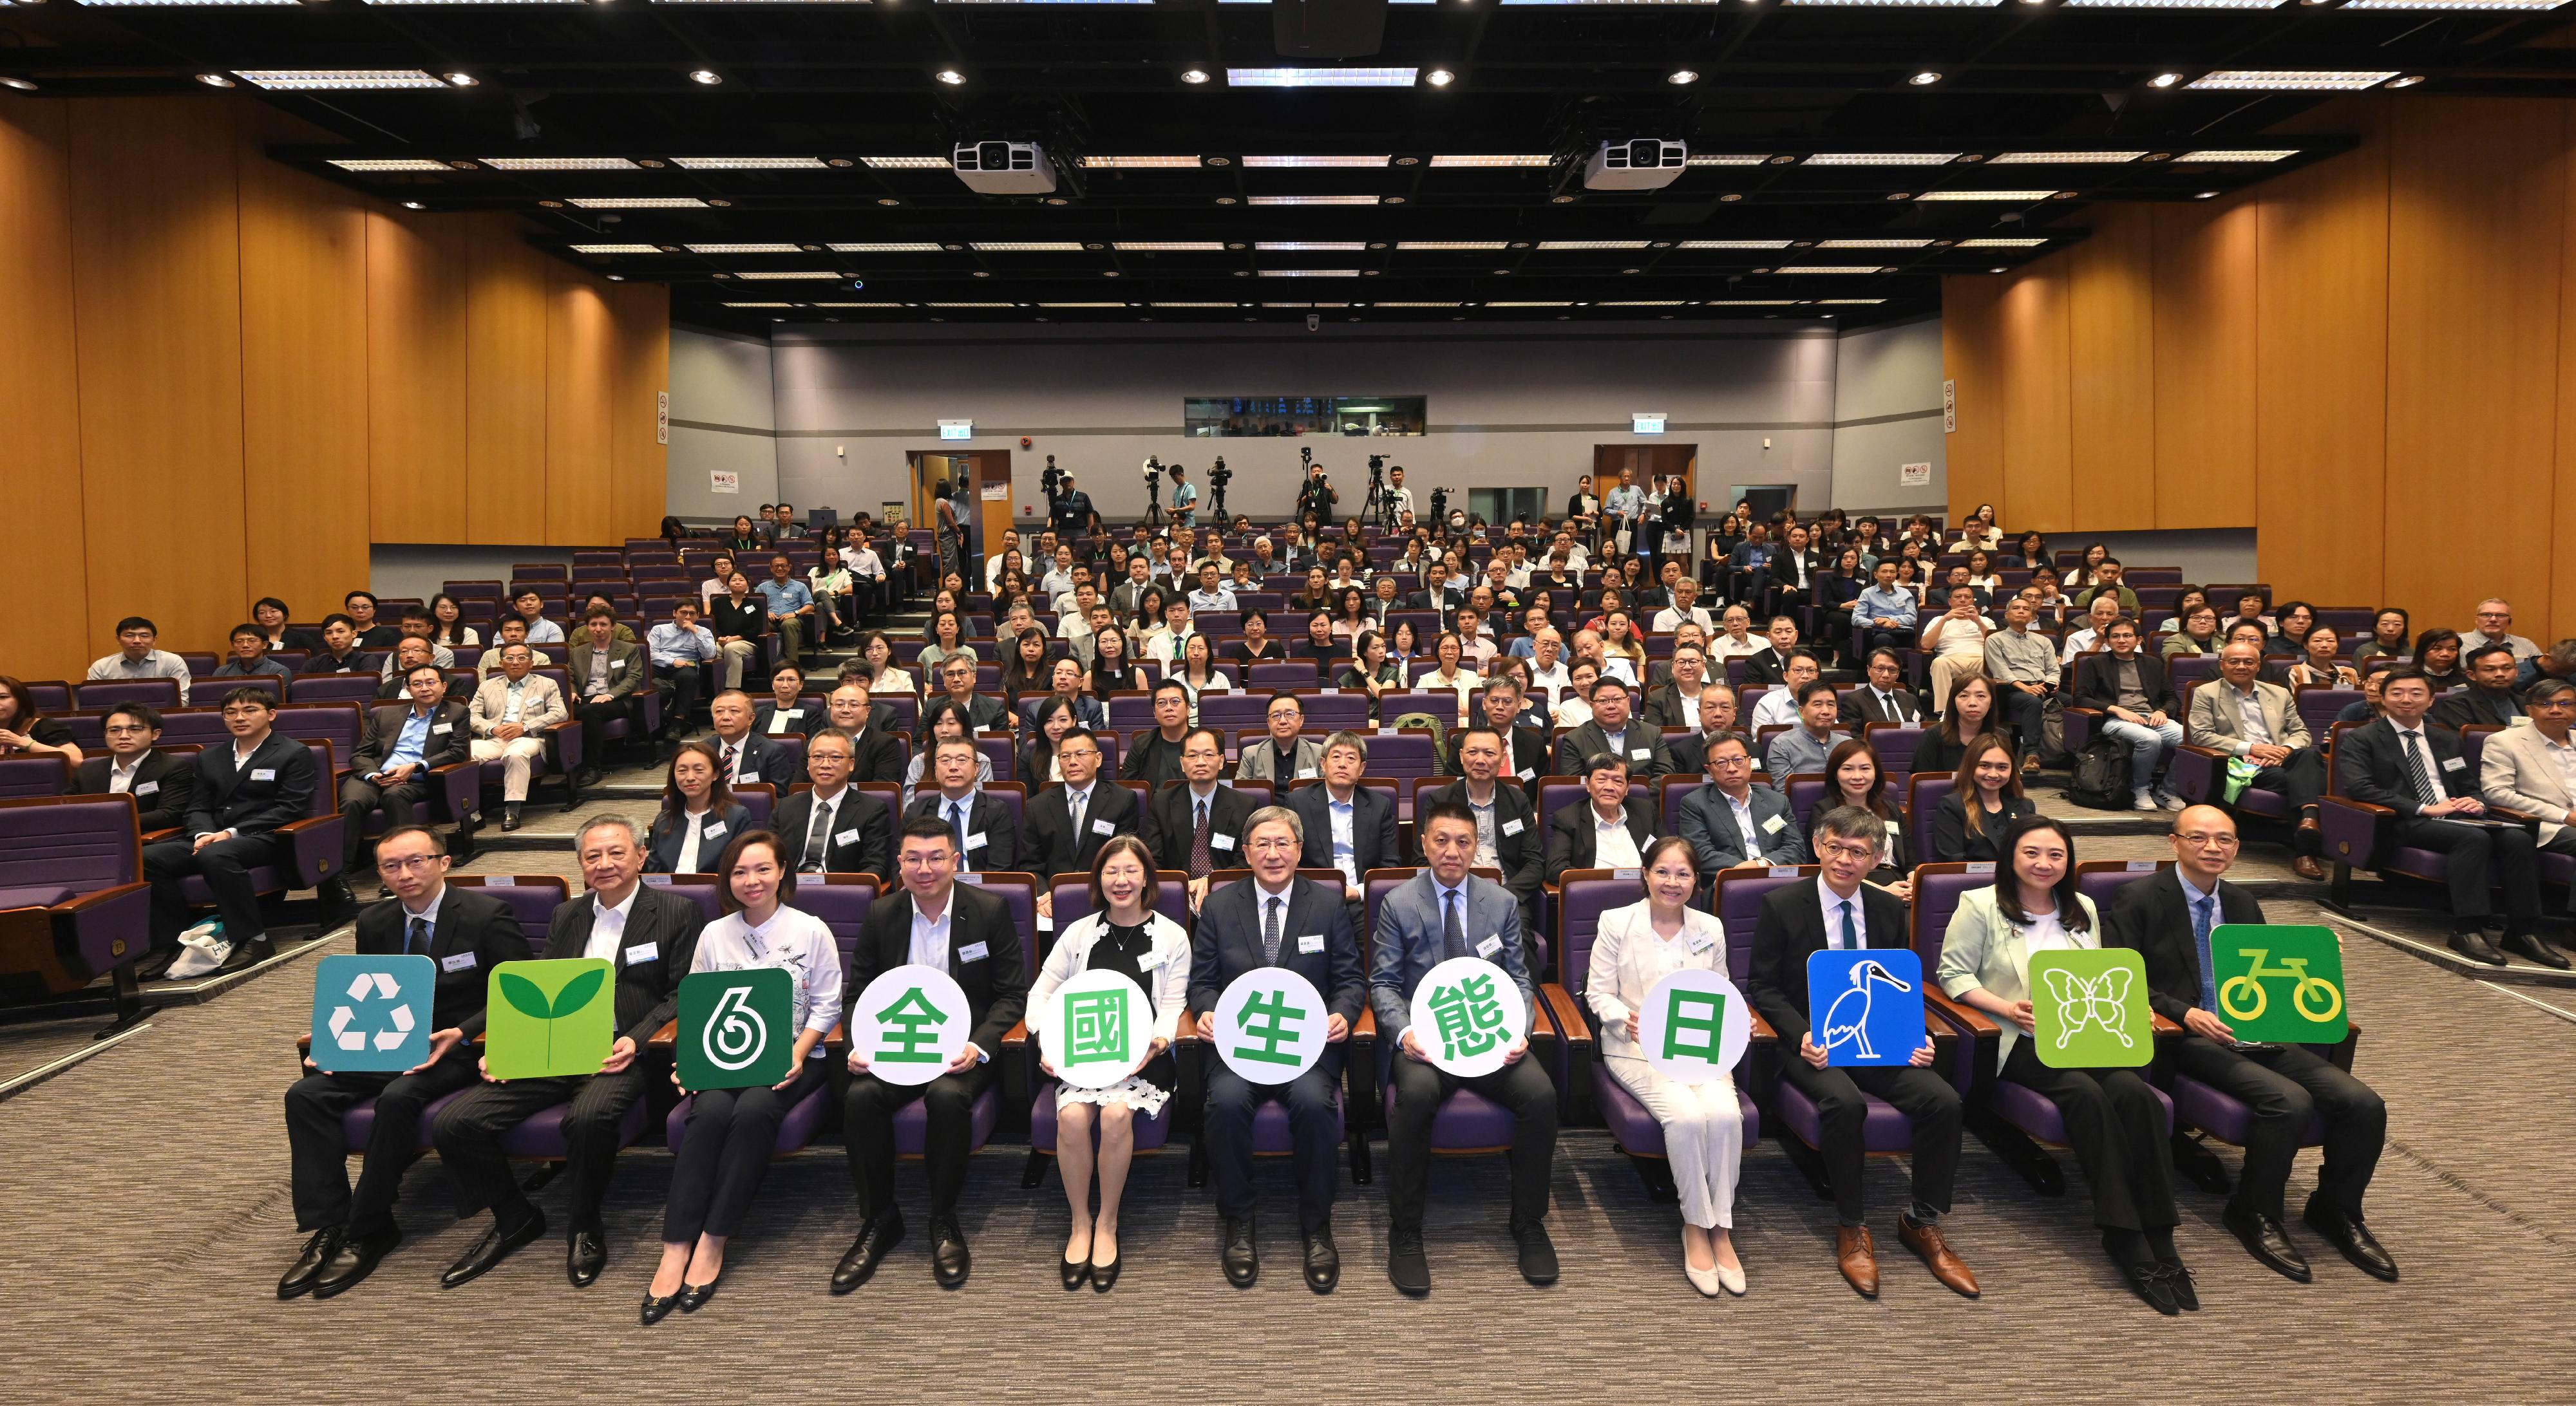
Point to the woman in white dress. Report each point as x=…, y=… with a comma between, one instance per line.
x=731, y=1133
x=1125, y=934
x=1634, y=948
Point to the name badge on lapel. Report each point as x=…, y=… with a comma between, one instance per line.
x=436, y=728
x=269, y=773
x=1511, y=828
x=712, y=831
x=642, y=952
x=846, y=837
x=1489, y=947
x=1220, y=842
x=1103, y=827
x=148, y=788
x=462, y=961
x=973, y=952
x=1311, y=942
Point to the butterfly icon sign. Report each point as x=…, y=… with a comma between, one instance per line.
x=2089, y=1009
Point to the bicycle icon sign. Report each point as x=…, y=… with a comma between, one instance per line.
x=2280, y=984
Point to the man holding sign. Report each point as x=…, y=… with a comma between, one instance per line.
x=968, y=933
x=2171, y=920
x=1442, y=914
x=1276, y=922
x=467, y=934
x=1837, y=913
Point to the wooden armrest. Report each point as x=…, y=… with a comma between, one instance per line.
x=1762, y=1031
x=1568, y=1015
x=1976, y=1022
x=304, y=1043
x=1189, y=1031
x=2365, y=807
x=1016, y=1036
x=2501, y=813
x=838, y=1038
x=2213, y=753
x=2164, y=1029
x=164, y=836
x=666, y=1037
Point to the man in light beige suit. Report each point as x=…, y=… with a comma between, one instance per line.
x=512, y=715
x=2242, y=716
x=2532, y=770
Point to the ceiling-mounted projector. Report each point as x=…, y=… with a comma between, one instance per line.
x=1643, y=164
x=1005, y=168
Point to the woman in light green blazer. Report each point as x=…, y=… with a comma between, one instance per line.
x=2113, y=1119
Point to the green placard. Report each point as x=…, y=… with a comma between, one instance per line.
x=734, y=1028
x=2279, y=983
x=548, y=1019
x=2089, y=1009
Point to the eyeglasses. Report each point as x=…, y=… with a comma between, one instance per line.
x=1853, y=851
x=400, y=865
x=2202, y=841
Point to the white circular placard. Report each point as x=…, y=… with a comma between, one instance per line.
x=1691, y=1050
x=1467, y=1014
x=1270, y=1025
x=1098, y=1026
x=909, y=1023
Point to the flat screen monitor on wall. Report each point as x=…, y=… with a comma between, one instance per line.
x=1293, y=416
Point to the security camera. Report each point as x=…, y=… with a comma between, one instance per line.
x=1314, y=323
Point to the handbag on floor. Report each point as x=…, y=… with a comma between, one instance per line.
x=203, y=950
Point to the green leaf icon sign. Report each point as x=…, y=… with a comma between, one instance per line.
x=523, y=996
x=578, y=992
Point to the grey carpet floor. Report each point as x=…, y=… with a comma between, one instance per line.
x=146, y=1199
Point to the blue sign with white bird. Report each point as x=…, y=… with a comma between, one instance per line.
x=1865, y=1007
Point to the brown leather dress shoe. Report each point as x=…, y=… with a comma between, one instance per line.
x=1857, y=1259
x=2308, y=867
x=1926, y=1241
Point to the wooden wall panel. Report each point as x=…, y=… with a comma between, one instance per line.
x=2321, y=375
x=304, y=376
x=580, y=343
x=2204, y=364
x=2110, y=369
x=2558, y=621
x=156, y=284
x=2476, y=226
x=415, y=376
x=2037, y=445
x=505, y=383
x=1970, y=357
x=637, y=462
x=40, y=423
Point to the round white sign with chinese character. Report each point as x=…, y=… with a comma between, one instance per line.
x=1270, y=1025
x=1098, y=1026
x=1467, y=1014
x=1694, y=1025
x=909, y=1023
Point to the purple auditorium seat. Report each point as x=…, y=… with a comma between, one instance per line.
x=213, y=689
x=760, y=799
x=1073, y=901
x=2318, y=705
x=2186, y=669
x=107, y=693
x=312, y=850
x=51, y=697
x=1923, y=796
x=699, y=889
x=1805, y=790
x=1336, y=711
x=44, y=775
x=1895, y=745
x=1674, y=790
x=1392, y=706
x=1287, y=673
x=73, y=904
x=1130, y=712
x=1230, y=712
x=907, y=710
x=334, y=688
x=1004, y=757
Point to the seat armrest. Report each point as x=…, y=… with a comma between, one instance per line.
x=1359, y=1069
x=1020, y=1071
x=837, y=1039
x=456, y=791
x=1574, y=1055
x=1763, y=1034
x=2350, y=830
x=162, y=836
x=666, y=1037
x=98, y=898
x=1571, y=1022
x=1968, y=1019
x=2164, y=1029
x=1966, y=1039
x=313, y=848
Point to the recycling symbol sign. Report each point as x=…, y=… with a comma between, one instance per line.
x=371, y=1013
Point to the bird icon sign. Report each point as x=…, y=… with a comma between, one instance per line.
x=1866, y=1006
x=371, y=1013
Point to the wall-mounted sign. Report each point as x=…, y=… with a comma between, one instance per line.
x=723, y=481
x=956, y=429
x=662, y=418
x=1949, y=407
x=1914, y=475
x=1641, y=422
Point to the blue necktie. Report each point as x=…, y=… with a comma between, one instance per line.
x=2200, y=925
x=957, y=822
x=1453, y=934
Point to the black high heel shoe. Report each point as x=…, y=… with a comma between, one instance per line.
x=1105, y=1276
x=694, y=1296
x=1074, y=1272
x=657, y=1308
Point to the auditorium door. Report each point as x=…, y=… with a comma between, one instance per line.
x=988, y=470
x=1652, y=462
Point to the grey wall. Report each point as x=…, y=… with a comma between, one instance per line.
x=1887, y=413
x=404, y=571
x=723, y=416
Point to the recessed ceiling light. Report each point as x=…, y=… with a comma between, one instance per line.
x=1735, y=244
x=617, y=249
x=1446, y=245
x=2001, y=243
x=888, y=200
x=2164, y=80
x=414, y=205
x=1568, y=200
x=1872, y=243
x=906, y=163
x=787, y=275
x=1564, y=244
x=748, y=163
x=2293, y=80
x=1531, y=159
x=1226, y=200
x=2066, y=158
x=1194, y=75
x=1721, y=158
x=1439, y=78
x=549, y=204
x=463, y=80
x=1283, y=162
x=1997, y=269
x=1308, y=273
x=559, y=163
x=761, y=305
x=2220, y=154
x=1321, y=77
x=707, y=76
x=390, y=163
x=1050, y=246
x=21, y=84
x=1311, y=246
x=1829, y=268
x=1682, y=77
x=2405, y=80
x=1136, y=163
x=1500, y=273
x=1925, y=79
x=2206, y=195
x=949, y=76
x=291, y=80
x=617, y=278
x=1882, y=158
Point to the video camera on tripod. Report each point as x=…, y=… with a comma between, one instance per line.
x=1051, y=482
x=1218, y=476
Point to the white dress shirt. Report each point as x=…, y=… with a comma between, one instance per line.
x=687, y=862
x=830, y=811
x=1834, y=904
x=2423, y=749
x=608, y=926
x=930, y=934
x=1612, y=846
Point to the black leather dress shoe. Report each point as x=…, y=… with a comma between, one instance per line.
x=1323, y=1261
x=2533, y=948
x=2475, y=947
x=509, y=816
x=155, y=964
x=658, y=1308
x=1538, y=1253
x=308, y=1265
x=875, y=1238
x=949, y=1261
x=585, y=1255
x=1242, y=1262
x=1104, y=1277
x=352, y=1260
x=694, y=1296
x=495, y=1245
x=2146, y=1279
x=2269, y=1244
x=2346, y=1233
x=1073, y=1272
x=1406, y=1268
x=2178, y=1283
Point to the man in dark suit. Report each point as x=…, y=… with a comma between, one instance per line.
x=957, y=675
x=1770, y=664
x=1507, y=830
x=161, y=784
x=2489, y=699
x=651, y=935
x=606, y=674
x=1715, y=719
x=1068, y=823
x=2128, y=685
x=1277, y=920
x=1885, y=698
x=834, y=828
x=467, y=934
x=986, y=840
x=878, y=753
x=1797, y=921
x=1614, y=733
x=1197, y=826
x=1155, y=755
x=1675, y=701
x=743, y=755
x=1067, y=678
x=1348, y=827
x=404, y=745
x=969, y=931
x=340, y=652
x=243, y=794
x=1585, y=834
x=1732, y=823
x=1526, y=758
x=2417, y=772
x=2168, y=918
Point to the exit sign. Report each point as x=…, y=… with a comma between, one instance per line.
x=1643, y=423
x=956, y=429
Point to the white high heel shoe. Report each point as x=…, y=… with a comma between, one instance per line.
x=1704, y=1280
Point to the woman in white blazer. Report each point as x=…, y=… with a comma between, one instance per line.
x=1633, y=948
x=1122, y=933
x=2113, y=1120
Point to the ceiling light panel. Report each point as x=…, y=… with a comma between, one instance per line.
x=1193, y=305
x=1829, y=268
x=2174, y=4
x=906, y=163
x=1421, y=305
x=1075, y=305
x=748, y=163
x=2247, y=154
x=1735, y=244
x=617, y=248
x=2283, y=80
x=297, y=80
x=105, y=3
x=1043, y=246
x=2001, y=243
x=1950, y=4
x=1284, y=163
x=638, y=202
x=1527, y=304
x=2064, y=158
x=1175, y=246
x=2007, y=196
x=857, y=305
x=1314, y=200
x=1449, y=246
x=1563, y=245
x=1308, y=273
x=2453, y=4
x=1727, y=159
x=1312, y=246
x=396, y=163
x=1644, y=303
x=786, y=275
x=1882, y=158
x=1138, y=163
x=915, y=248
x=1872, y=243
x=970, y=305
x=1849, y=302
x=1532, y=159
x=760, y=305
x=1324, y=77
x=560, y=163
x=1751, y=303
x=746, y=248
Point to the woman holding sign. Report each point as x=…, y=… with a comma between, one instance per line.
x=2112, y=1118
x=730, y=1134
x=1122, y=933
x=1636, y=947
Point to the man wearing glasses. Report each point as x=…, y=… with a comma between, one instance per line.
x=160, y=784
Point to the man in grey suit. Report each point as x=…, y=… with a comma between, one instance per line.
x=1277, y=920
x=2525, y=770
x=2243, y=716
x=1425, y=922
x=1733, y=823
x=1286, y=756
x=605, y=675
x=1612, y=731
